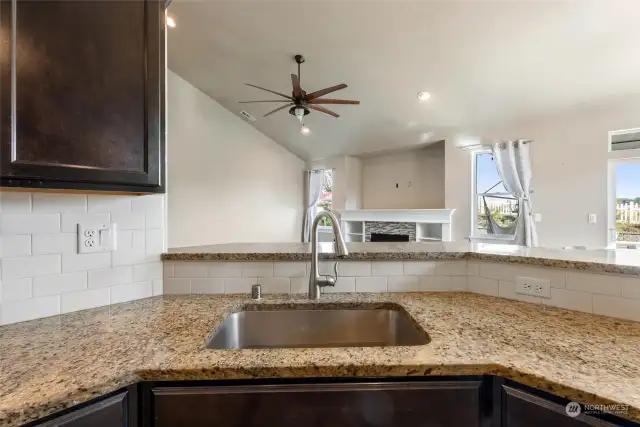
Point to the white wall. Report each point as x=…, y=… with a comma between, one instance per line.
x=42, y=273
x=569, y=161
x=420, y=176
x=227, y=182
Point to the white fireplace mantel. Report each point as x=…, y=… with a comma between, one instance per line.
x=431, y=224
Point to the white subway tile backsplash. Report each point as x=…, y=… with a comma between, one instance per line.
x=56, y=284
x=289, y=269
x=33, y=266
x=435, y=283
x=108, y=204
x=630, y=287
x=386, y=268
x=275, y=285
x=39, y=245
x=419, y=268
x=17, y=289
x=207, y=286
x=353, y=268
x=13, y=246
x=29, y=223
x=403, y=284
x=482, y=285
x=507, y=272
x=144, y=272
x=176, y=286
x=110, y=276
x=128, y=221
x=157, y=287
x=29, y=309
x=257, y=269
x=56, y=202
x=617, y=307
x=343, y=284
x=571, y=300
x=458, y=283
x=167, y=269
x=131, y=291
x=70, y=221
x=451, y=268
x=84, y=300
x=83, y=262
x=508, y=290
x=371, y=284
x=225, y=269
x=190, y=269
x=15, y=202
x=300, y=285
x=473, y=268
x=594, y=283
x=59, y=243
x=239, y=285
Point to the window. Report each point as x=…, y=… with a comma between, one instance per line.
x=325, y=201
x=627, y=209
x=495, y=211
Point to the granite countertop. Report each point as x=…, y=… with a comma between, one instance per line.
x=50, y=364
x=616, y=261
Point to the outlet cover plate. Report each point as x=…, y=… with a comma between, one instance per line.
x=533, y=286
x=99, y=237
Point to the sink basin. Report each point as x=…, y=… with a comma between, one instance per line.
x=290, y=328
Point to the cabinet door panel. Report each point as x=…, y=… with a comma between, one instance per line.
x=81, y=92
x=437, y=404
x=520, y=409
x=111, y=412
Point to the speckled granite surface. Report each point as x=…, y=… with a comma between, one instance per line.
x=51, y=364
x=620, y=261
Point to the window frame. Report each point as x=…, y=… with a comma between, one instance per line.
x=475, y=195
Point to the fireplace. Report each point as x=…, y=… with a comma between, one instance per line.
x=386, y=237
x=389, y=231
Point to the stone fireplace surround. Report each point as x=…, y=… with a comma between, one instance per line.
x=398, y=228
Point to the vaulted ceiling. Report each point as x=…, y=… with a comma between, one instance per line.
x=485, y=62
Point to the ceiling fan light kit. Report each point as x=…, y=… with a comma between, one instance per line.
x=300, y=103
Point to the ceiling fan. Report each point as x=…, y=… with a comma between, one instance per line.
x=302, y=102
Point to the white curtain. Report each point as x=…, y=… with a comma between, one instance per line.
x=313, y=189
x=514, y=166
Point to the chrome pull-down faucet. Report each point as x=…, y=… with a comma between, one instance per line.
x=315, y=280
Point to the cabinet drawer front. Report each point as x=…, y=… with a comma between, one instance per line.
x=442, y=404
x=521, y=409
x=111, y=412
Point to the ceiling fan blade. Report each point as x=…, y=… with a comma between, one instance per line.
x=317, y=94
x=272, y=100
x=334, y=101
x=268, y=90
x=278, y=109
x=323, y=110
x=297, y=90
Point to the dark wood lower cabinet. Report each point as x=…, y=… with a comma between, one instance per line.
x=522, y=409
x=471, y=401
x=113, y=411
x=412, y=404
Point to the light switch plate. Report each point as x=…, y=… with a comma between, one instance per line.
x=592, y=218
x=533, y=286
x=99, y=237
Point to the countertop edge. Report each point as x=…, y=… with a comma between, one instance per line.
x=586, y=266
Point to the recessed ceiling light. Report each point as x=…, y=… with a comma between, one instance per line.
x=423, y=96
x=305, y=130
x=171, y=22
x=426, y=136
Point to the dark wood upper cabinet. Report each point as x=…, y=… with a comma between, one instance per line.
x=82, y=94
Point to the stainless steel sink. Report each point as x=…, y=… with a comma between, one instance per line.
x=288, y=328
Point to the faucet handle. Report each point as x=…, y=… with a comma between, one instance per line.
x=330, y=280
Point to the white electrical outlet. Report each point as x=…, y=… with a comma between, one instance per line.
x=97, y=237
x=533, y=286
